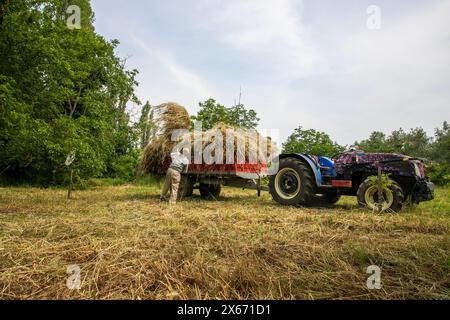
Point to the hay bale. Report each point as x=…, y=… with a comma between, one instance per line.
x=171, y=116
x=243, y=141
x=167, y=117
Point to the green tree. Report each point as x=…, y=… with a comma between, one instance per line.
x=416, y=143
x=439, y=170
x=375, y=143
x=211, y=113
x=395, y=142
x=312, y=142
x=241, y=117
x=440, y=149
x=413, y=143
x=60, y=90
x=145, y=126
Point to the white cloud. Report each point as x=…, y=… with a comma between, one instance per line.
x=402, y=71
x=183, y=77
x=382, y=80
x=415, y=50
x=264, y=31
x=299, y=62
x=180, y=83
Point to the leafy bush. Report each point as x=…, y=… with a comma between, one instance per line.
x=61, y=90
x=386, y=181
x=311, y=142
x=124, y=167
x=439, y=173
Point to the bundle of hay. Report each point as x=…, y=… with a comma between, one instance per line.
x=167, y=118
x=171, y=116
x=244, y=145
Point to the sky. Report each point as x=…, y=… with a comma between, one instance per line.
x=341, y=67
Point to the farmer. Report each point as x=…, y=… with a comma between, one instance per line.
x=173, y=177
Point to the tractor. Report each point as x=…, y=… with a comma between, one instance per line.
x=307, y=180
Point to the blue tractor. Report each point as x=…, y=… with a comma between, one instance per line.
x=308, y=180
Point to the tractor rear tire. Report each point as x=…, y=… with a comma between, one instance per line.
x=210, y=191
x=293, y=184
x=367, y=196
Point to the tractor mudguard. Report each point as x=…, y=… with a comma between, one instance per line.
x=314, y=168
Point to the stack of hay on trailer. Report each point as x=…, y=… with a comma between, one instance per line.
x=245, y=145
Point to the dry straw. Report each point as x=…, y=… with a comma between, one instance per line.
x=129, y=245
x=245, y=145
x=168, y=117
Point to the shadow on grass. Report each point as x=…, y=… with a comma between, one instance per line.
x=136, y=196
x=244, y=199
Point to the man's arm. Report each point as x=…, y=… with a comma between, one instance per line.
x=186, y=160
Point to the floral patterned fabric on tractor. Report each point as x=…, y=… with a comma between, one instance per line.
x=362, y=158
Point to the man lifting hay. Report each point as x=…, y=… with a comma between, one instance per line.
x=180, y=163
x=244, y=145
x=168, y=118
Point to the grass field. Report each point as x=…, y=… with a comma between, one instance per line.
x=129, y=245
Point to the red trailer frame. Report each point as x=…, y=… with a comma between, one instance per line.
x=209, y=178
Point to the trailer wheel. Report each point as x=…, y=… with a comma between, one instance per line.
x=189, y=188
x=368, y=196
x=186, y=188
x=210, y=191
x=293, y=184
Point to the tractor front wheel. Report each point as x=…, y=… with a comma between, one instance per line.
x=392, y=196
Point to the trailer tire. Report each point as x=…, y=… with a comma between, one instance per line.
x=367, y=196
x=293, y=184
x=186, y=188
x=210, y=191
x=189, y=188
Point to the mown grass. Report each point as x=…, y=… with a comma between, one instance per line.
x=129, y=245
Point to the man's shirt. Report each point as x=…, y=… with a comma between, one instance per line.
x=179, y=161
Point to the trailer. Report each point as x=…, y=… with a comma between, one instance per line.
x=208, y=178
